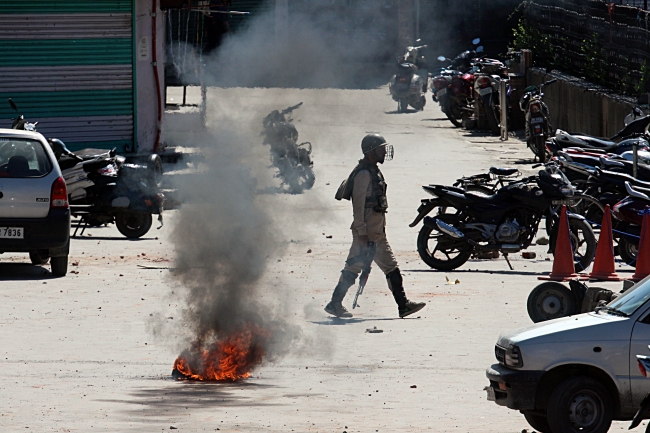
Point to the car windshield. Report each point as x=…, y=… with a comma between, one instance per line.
x=22, y=157
x=633, y=299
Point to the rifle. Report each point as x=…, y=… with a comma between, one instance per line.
x=367, y=256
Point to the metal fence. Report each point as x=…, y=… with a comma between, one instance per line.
x=605, y=42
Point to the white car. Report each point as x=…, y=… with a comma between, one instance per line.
x=577, y=373
x=34, y=211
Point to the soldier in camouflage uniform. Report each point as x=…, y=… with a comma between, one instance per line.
x=367, y=189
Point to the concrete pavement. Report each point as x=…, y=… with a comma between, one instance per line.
x=93, y=351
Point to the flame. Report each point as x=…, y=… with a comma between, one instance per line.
x=229, y=358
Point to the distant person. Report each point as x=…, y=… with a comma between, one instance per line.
x=217, y=24
x=367, y=189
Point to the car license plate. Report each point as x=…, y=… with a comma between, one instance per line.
x=491, y=396
x=441, y=92
x=485, y=91
x=11, y=232
x=537, y=120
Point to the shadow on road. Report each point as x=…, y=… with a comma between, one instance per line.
x=480, y=271
x=24, y=272
x=107, y=238
x=408, y=111
x=336, y=321
x=439, y=119
x=180, y=396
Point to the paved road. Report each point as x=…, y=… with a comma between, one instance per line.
x=93, y=351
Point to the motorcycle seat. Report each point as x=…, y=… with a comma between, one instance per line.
x=489, y=199
x=638, y=192
x=500, y=171
x=595, y=142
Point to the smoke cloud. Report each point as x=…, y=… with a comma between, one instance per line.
x=226, y=233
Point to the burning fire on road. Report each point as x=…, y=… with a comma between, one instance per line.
x=230, y=358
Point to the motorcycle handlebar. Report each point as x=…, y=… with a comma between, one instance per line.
x=290, y=109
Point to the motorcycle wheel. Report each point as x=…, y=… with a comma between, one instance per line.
x=493, y=123
x=154, y=165
x=133, y=224
x=583, y=241
x=402, y=106
x=540, y=147
x=454, y=114
x=303, y=178
x=447, y=253
x=550, y=300
x=628, y=250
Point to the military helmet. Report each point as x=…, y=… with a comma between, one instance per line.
x=372, y=141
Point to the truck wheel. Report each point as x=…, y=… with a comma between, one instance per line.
x=59, y=266
x=550, y=300
x=537, y=421
x=580, y=404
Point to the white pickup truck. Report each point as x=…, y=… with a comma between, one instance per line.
x=577, y=373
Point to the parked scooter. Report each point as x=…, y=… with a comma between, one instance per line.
x=103, y=188
x=538, y=124
x=408, y=85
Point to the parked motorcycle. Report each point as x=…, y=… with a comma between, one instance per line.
x=506, y=221
x=629, y=212
x=634, y=132
x=487, y=86
x=292, y=160
x=103, y=188
x=538, y=125
x=453, y=87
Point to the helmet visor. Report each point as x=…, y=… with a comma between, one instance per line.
x=389, y=152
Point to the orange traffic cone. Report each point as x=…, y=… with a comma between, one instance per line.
x=643, y=256
x=603, y=269
x=563, y=267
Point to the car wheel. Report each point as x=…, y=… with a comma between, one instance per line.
x=537, y=421
x=133, y=224
x=59, y=266
x=550, y=300
x=580, y=404
x=38, y=258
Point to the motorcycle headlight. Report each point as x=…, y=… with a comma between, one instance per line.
x=513, y=357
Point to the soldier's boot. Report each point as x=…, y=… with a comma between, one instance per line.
x=396, y=286
x=335, y=306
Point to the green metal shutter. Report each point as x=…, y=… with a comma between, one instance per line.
x=68, y=64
